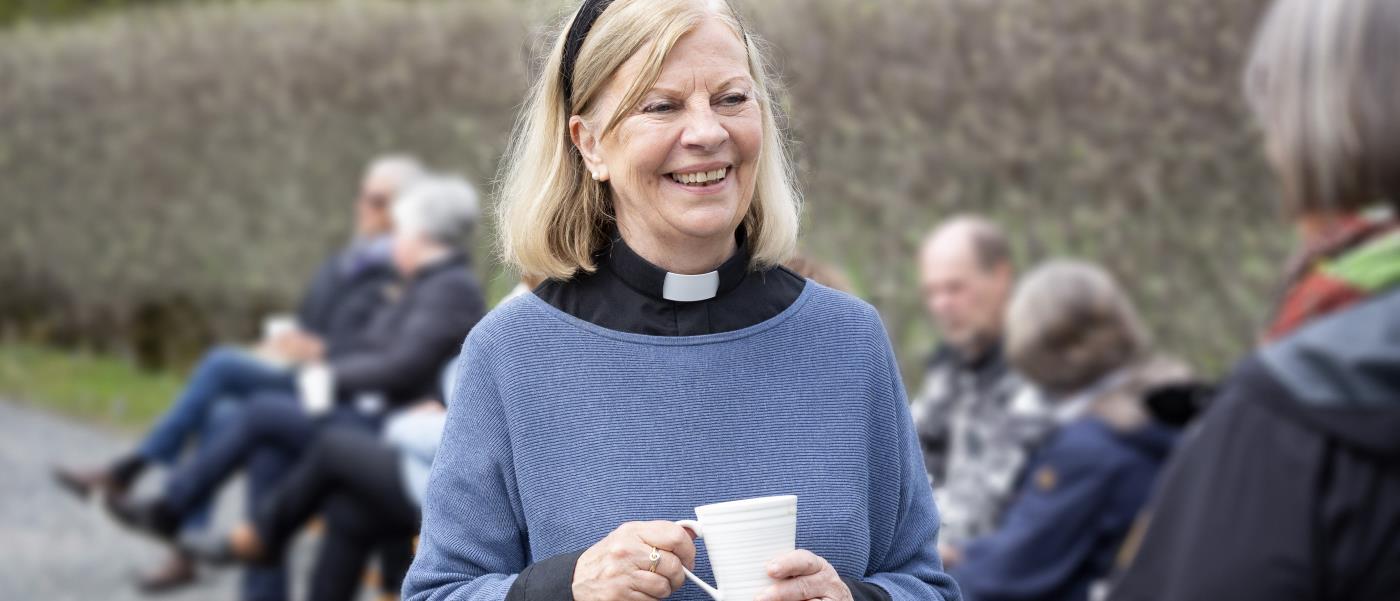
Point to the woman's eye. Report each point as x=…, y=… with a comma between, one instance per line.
x=734, y=99
x=659, y=107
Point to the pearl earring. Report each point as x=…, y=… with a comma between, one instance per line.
x=595, y=176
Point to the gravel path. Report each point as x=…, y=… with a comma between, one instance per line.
x=55, y=548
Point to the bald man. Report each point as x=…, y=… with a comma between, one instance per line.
x=975, y=424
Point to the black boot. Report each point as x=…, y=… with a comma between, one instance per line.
x=149, y=516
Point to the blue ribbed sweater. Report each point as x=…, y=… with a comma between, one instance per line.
x=561, y=430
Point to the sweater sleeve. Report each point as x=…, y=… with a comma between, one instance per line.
x=473, y=543
x=911, y=570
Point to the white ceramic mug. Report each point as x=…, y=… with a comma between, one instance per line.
x=741, y=537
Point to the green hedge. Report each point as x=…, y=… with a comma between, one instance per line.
x=170, y=174
x=13, y=11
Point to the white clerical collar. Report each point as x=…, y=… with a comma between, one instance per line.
x=690, y=288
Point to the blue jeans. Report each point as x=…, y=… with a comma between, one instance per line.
x=223, y=373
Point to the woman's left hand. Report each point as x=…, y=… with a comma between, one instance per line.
x=802, y=576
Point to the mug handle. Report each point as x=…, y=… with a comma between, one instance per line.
x=694, y=526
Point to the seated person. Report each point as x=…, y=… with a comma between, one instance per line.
x=1076, y=337
x=396, y=360
x=975, y=427
x=343, y=295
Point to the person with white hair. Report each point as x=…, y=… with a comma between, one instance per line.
x=342, y=296
x=336, y=304
x=394, y=362
x=1290, y=488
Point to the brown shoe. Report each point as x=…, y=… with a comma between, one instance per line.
x=177, y=572
x=85, y=484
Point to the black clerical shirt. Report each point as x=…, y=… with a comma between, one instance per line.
x=625, y=293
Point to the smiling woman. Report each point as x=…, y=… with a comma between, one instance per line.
x=668, y=361
x=624, y=128
x=682, y=163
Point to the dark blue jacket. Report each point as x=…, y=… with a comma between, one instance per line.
x=346, y=292
x=402, y=351
x=1075, y=503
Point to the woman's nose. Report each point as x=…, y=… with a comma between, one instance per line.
x=703, y=130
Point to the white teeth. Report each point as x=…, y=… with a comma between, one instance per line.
x=700, y=177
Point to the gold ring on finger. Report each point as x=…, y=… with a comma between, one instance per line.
x=655, y=558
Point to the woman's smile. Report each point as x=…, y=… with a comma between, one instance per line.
x=706, y=179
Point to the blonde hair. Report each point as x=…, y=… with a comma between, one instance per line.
x=553, y=217
x=1323, y=83
x=1069, y=324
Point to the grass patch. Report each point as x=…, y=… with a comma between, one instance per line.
x=91, y=387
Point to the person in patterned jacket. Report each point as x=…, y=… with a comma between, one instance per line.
x=976, y=422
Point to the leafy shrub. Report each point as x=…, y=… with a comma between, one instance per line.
x=171, y=174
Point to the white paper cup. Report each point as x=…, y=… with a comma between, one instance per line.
x=316, y=388
x=275, y=326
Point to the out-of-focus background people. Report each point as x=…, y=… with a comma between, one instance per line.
x=338, y=304
x=348, y=288
x=975, y=443
x=1291, y=488
x=396, y=360
x=1077, y=338
x=370, y=490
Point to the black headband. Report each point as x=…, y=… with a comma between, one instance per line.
x=573, y=42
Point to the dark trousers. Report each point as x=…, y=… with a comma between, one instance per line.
x=266, y=439
x=222, y=415
x=354, y=479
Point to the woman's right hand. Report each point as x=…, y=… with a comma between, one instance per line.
x=618, y=567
